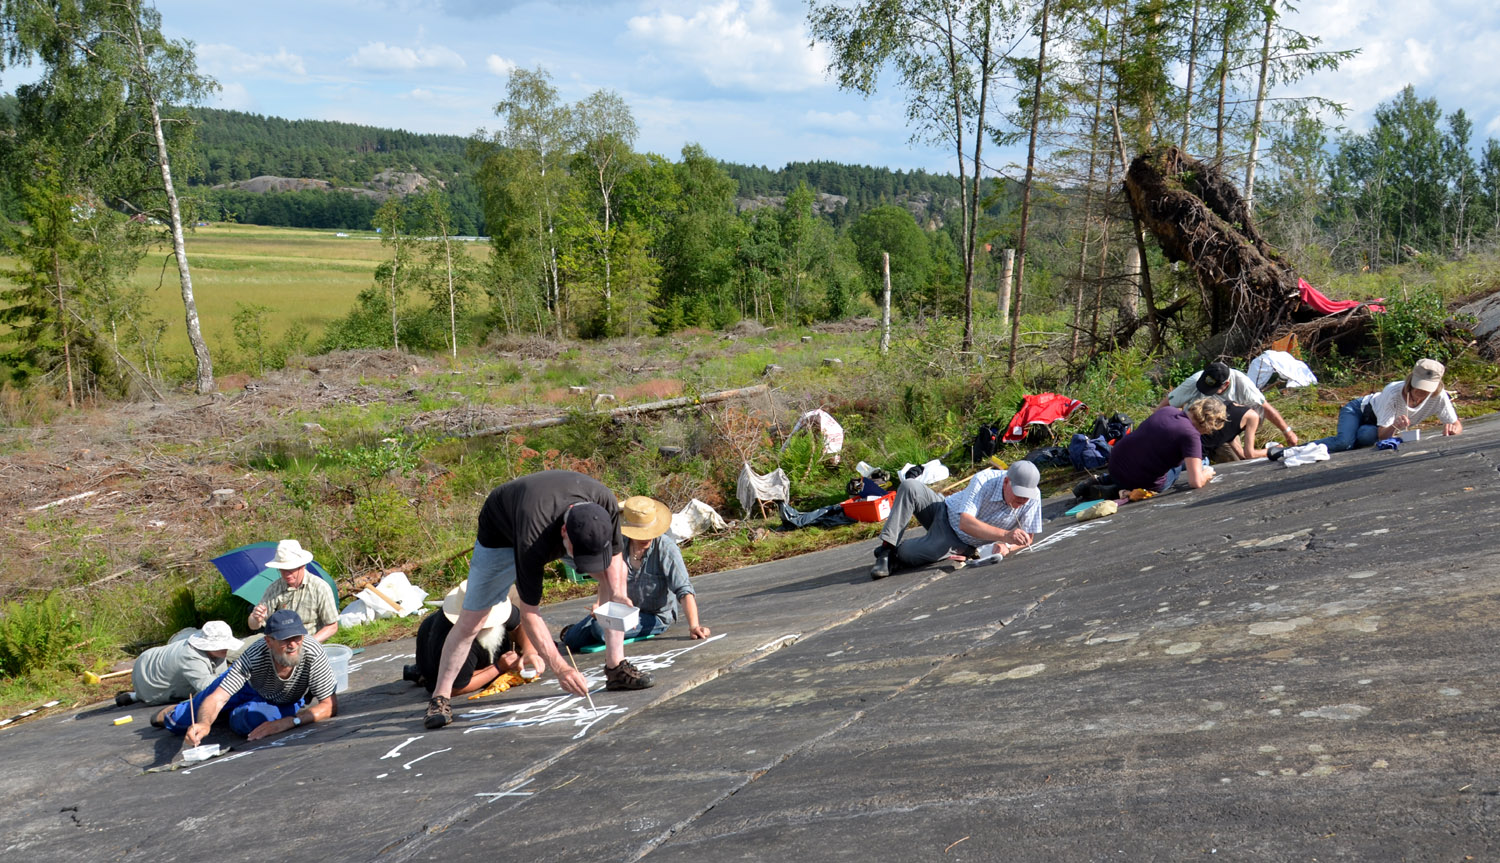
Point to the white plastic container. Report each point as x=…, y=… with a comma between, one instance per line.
x=617, y=616
x=200, y=753
x=338, y=657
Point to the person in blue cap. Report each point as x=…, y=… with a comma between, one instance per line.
x=279, y=683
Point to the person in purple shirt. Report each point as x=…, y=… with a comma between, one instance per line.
x=1166, y=445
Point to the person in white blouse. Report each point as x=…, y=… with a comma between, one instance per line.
x=1399, y=406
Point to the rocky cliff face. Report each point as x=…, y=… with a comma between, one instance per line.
x=382, y=186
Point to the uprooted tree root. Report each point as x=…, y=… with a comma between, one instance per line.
x=1199, y=217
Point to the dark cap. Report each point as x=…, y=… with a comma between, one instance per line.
x=1214, y=375
x=591, y=531
x=284, y=624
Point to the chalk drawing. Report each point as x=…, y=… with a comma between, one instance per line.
x=514, y=792
x=397, y=751
x=559, y=709
x=407, y=765
x=1070, y=530
x=385, y=657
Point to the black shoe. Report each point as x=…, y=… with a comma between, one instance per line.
x=411, y=673
x=626, y=676
x=1273, y=452
x=562, y=634
x=124, y=699
x=1107, y=491
x=1087, y=489
x=882, y=567
x=439, y=713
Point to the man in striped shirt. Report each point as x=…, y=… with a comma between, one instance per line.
x=997, y=506
x=266, y=691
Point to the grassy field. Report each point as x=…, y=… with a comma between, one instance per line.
x=305, y=276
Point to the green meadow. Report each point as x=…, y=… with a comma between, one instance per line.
x=304, y=276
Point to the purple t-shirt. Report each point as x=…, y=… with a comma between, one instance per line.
x=1142, y=458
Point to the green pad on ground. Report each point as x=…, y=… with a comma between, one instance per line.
x=598, y=647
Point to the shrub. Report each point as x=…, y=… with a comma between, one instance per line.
x=38, y=635
x=1413, y=328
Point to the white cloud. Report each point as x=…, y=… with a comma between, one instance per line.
x=220, y=60
x=380, y=57
x=234, y=96
x=499, y=65
x=849, y=121
x=737, y=44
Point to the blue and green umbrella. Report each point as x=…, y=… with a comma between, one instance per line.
x=248, y=576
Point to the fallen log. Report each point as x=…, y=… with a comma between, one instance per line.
x=628, y=410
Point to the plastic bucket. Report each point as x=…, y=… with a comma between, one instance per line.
x=338, y=657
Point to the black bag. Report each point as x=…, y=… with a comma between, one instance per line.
x=986, y=442
x=1112, y=428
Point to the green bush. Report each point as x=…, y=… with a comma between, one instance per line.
x=38, y=635
x=1413, y=328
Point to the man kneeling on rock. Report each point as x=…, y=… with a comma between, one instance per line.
x=266, y=691
x=998, y=506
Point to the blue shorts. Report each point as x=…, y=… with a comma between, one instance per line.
x=492, y=572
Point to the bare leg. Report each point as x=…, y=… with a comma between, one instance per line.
x=456, y=649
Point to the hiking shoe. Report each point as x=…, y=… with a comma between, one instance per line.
x=1087, y=489
x=562, y=634
x=438, y=713
x=159, y=718
x=411, y=673
x=1273, y=452
x=626, y=676
x=124, y=699
x=882, y=567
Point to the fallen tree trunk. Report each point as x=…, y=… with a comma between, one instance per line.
x=1199, y=217
x=628, y=410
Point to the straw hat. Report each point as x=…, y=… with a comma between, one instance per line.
x=453, y=603
x=644, y=518
x=290, y=555
x=215, y=635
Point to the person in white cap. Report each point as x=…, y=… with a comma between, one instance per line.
x=997, y=506
x=501, y=645
x=657, y=582
x=181, y=668
x=311, y=598
x=1399, y=406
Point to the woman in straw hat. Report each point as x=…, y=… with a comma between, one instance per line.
x=500, y=646
x=658, y=579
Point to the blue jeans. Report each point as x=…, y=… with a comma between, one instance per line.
x=1353, y=431
x=246, y=710
x=588, y=633
x=1174, y=473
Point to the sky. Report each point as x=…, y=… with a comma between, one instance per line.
x=736, y=76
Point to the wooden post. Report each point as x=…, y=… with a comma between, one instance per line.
x=1002, y=299
x=885, y=305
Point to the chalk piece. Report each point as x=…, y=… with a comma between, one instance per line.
x=124, y=720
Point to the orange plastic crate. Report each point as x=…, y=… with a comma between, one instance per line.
x=874, y=509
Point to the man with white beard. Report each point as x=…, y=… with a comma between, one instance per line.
x=277, y=684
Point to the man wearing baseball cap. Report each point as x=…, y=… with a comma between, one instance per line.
x=1231, y=385
x=997, y=506
x=524, y=525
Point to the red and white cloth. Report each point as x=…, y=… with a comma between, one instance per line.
x=1040, y=409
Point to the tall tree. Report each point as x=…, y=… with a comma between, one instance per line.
x=948, y=56
x=605, y=131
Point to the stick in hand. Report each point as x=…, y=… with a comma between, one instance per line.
x=586, y=693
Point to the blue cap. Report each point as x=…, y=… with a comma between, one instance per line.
x=284, y=624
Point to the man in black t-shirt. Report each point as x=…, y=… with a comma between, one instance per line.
x=524, y=525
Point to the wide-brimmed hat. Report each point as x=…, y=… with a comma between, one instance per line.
x=453, y=603
x=642, y=517
x=215, y=635
x=290, y=555
x=1427, y=375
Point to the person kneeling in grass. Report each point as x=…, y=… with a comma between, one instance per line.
x=657, y=579
x=266, y=691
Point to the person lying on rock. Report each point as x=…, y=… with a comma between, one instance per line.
x=501, y=645
x=1167, y=445
x=311, y=598
x=180, y=668
x=524, y=525
x=1399, y=406
x=1231, y=385
x=279, y=683
x=997, y=506
x=657, y=579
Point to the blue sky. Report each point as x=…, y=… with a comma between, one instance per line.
x=734, y=75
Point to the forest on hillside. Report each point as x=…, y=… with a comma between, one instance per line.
x=592, y=238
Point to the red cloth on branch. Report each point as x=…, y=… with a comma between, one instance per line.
x=1320, y=303
x=1040, y=409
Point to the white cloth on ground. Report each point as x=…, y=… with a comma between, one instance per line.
x=694, y=518
x=1305, y=454
x=933, y=471
x=1292, y=370
x=827, y=427
x=751, y=487
x=369, y=605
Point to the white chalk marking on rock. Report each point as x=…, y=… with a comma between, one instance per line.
x=407, y=765
x=1343, y=712
x=396, y=753
x=921, y=617
x=1376, y=532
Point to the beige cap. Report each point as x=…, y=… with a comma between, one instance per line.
x=1427, y=375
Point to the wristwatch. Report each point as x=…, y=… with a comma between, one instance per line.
x=296, y=720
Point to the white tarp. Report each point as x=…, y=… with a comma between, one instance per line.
x=751, y=487
x=695, y=518
x=371, y=603
x=933, y=471
x=827, y=427
x=1292, y=370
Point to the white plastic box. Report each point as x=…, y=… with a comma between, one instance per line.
x=617, y=616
